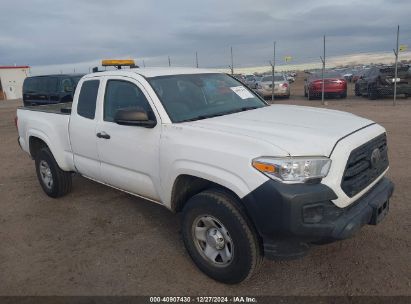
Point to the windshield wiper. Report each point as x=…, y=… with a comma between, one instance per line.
x=200, y=117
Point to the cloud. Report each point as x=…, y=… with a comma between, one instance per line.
x=80, y=33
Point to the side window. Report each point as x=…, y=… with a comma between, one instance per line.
x=51, y=84
x=42, y=84
x=121, y=95
x=33, y=85
x=86, y=105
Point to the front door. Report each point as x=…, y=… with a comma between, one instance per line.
x=128, y=154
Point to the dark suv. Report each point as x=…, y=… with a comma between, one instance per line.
x=379, y=82
x=38, y=90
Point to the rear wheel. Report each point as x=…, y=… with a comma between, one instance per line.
x=344, y=95
x=218, y=238
x=54, y=181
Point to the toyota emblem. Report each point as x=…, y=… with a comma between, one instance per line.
x=375, y=157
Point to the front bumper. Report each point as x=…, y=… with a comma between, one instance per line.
x=289, y=217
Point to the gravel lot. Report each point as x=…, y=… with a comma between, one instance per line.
x=99, y=241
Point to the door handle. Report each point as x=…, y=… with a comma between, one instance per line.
x=103, y=135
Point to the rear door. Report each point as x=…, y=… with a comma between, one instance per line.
x=129, y=155
x=82, y=129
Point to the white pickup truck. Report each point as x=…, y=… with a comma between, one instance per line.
x=251, y=180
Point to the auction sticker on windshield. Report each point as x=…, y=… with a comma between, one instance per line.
x=242, y=92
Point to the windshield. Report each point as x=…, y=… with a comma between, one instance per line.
x=199, y=96
x=270, y=78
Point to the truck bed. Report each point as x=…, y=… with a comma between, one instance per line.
x=50, y=124
x=56, y=108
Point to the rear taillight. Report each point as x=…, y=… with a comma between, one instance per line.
x=284, y=85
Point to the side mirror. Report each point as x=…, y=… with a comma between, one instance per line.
x=134, y=117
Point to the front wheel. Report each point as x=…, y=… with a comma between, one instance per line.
x=54, y=181
x=218, y=238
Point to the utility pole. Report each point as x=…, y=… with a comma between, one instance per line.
x=144, y=63
x=396, y=67
x=322, y=74
x=273, y=73
x=169, y=61
x=232, y=62
x=196, y=59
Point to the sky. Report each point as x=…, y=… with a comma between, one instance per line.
x=63, y=35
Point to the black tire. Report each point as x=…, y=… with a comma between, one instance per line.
x=61, y=180
x=246, y=250
x=305, y=92
x=343, y=95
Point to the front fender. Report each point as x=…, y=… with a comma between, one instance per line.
x=240, y=184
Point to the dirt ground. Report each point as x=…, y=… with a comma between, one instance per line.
x=99, y=241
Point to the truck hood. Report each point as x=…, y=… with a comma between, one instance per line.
x=296, y=130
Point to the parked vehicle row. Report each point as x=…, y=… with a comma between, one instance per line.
x=372, y=82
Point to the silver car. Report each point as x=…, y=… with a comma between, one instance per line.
x=281, y=86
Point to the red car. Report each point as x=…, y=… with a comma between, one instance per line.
x=334, y=85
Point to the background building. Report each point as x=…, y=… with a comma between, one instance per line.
x=11, y=81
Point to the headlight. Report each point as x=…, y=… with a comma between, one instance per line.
x=293, y=169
